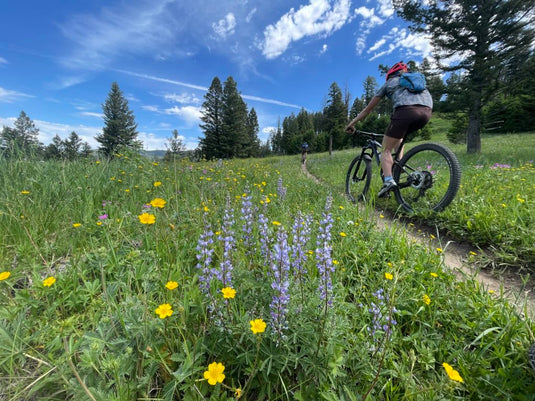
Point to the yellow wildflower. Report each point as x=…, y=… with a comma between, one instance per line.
x=452, y=373
x=258, y=326
x=426, y=299
x=147, y=218
x=228, y=292
x=75, y=225
x=389, y=276
x=171, y=285
x=164, y=310
x=24, y=192
x=4, y=275
x=157, y=183
x=47, y=282
x=214, y=374
x=158, y=202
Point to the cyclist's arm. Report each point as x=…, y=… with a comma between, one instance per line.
x=367, y=110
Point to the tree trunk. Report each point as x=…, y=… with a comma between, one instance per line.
x=330, y=145
x=473, y=137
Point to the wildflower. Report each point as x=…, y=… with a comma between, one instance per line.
x=158, y=202
x=99, y=223
x=228, y=292
x=380, y=322
x=171, y=285
x=440, y=250
x=76, y=225
x=258, y=326
x=280, y=268
x=452, y=373
x=237, y=393
x=343, y=234
x=276, y=223
x=103, y=216
x=247, y=214
x=204, y=258
x=147, y=218
x=25, y=192
x=426, y=299
x=157, y=183
x=281, y=190
x=47, y=282
x=224, y=274
x=164, y=310
x=389, y=276
x=324, y=252
x=301, y=236
x=433, y=274
x=214, y=374
x=4, y=275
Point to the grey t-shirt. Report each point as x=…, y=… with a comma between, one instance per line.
x=402, y=96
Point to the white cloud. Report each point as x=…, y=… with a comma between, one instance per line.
x=151, y=141
x=91, y=114
x=10, y=96
x=324, y=48
x=250, y=15
x=190, y=114
x=377, y=45
x=385, y=8
x=225, y=27
x=416, y=45
x=316, y=18
x=139, y=27
x=183, y=98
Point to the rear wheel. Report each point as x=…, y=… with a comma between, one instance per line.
x=428, y=178
x=358, y=178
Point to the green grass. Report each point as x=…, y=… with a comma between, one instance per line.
x=494, y=206
x=392, y=316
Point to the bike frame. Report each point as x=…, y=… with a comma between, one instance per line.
x=373, y=145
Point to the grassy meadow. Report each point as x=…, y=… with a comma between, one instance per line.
x=246, y=279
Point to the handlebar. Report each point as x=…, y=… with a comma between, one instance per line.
x=369, y=134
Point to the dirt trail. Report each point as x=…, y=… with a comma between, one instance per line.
x=456, y=259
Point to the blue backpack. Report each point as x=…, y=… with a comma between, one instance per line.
x=413, y=81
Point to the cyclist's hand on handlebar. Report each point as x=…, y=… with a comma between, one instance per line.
x=350, y=129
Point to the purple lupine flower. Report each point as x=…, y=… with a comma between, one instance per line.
x=247, y=214
x=224, y=273
x=263, y=232
x=301, y=236
x=324, y=260
x=281, y=190
x=381, y=322
x=204, y=258
x=281, y=270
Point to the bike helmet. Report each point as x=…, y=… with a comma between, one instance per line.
x=395, y=68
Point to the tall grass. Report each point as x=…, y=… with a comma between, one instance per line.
x=145, y=257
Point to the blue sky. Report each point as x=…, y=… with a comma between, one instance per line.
x=58, y=59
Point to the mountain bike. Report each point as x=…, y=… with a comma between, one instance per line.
x=427, y=176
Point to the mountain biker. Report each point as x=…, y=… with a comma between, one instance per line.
x=304, y=151
x=412, y=111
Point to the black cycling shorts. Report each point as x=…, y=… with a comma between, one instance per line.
x=407, y=119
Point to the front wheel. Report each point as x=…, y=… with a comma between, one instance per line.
x=428, y=178
x=358, y=178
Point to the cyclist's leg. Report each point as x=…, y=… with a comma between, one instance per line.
x=389, y=145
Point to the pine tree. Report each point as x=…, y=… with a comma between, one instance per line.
x=485, y=35
x=252, y=129
x=120, y=128
x=234, y=142
x=55, y=150
x=175, y=147
x=212, y=112
x=20, y=140
x=335, y=113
